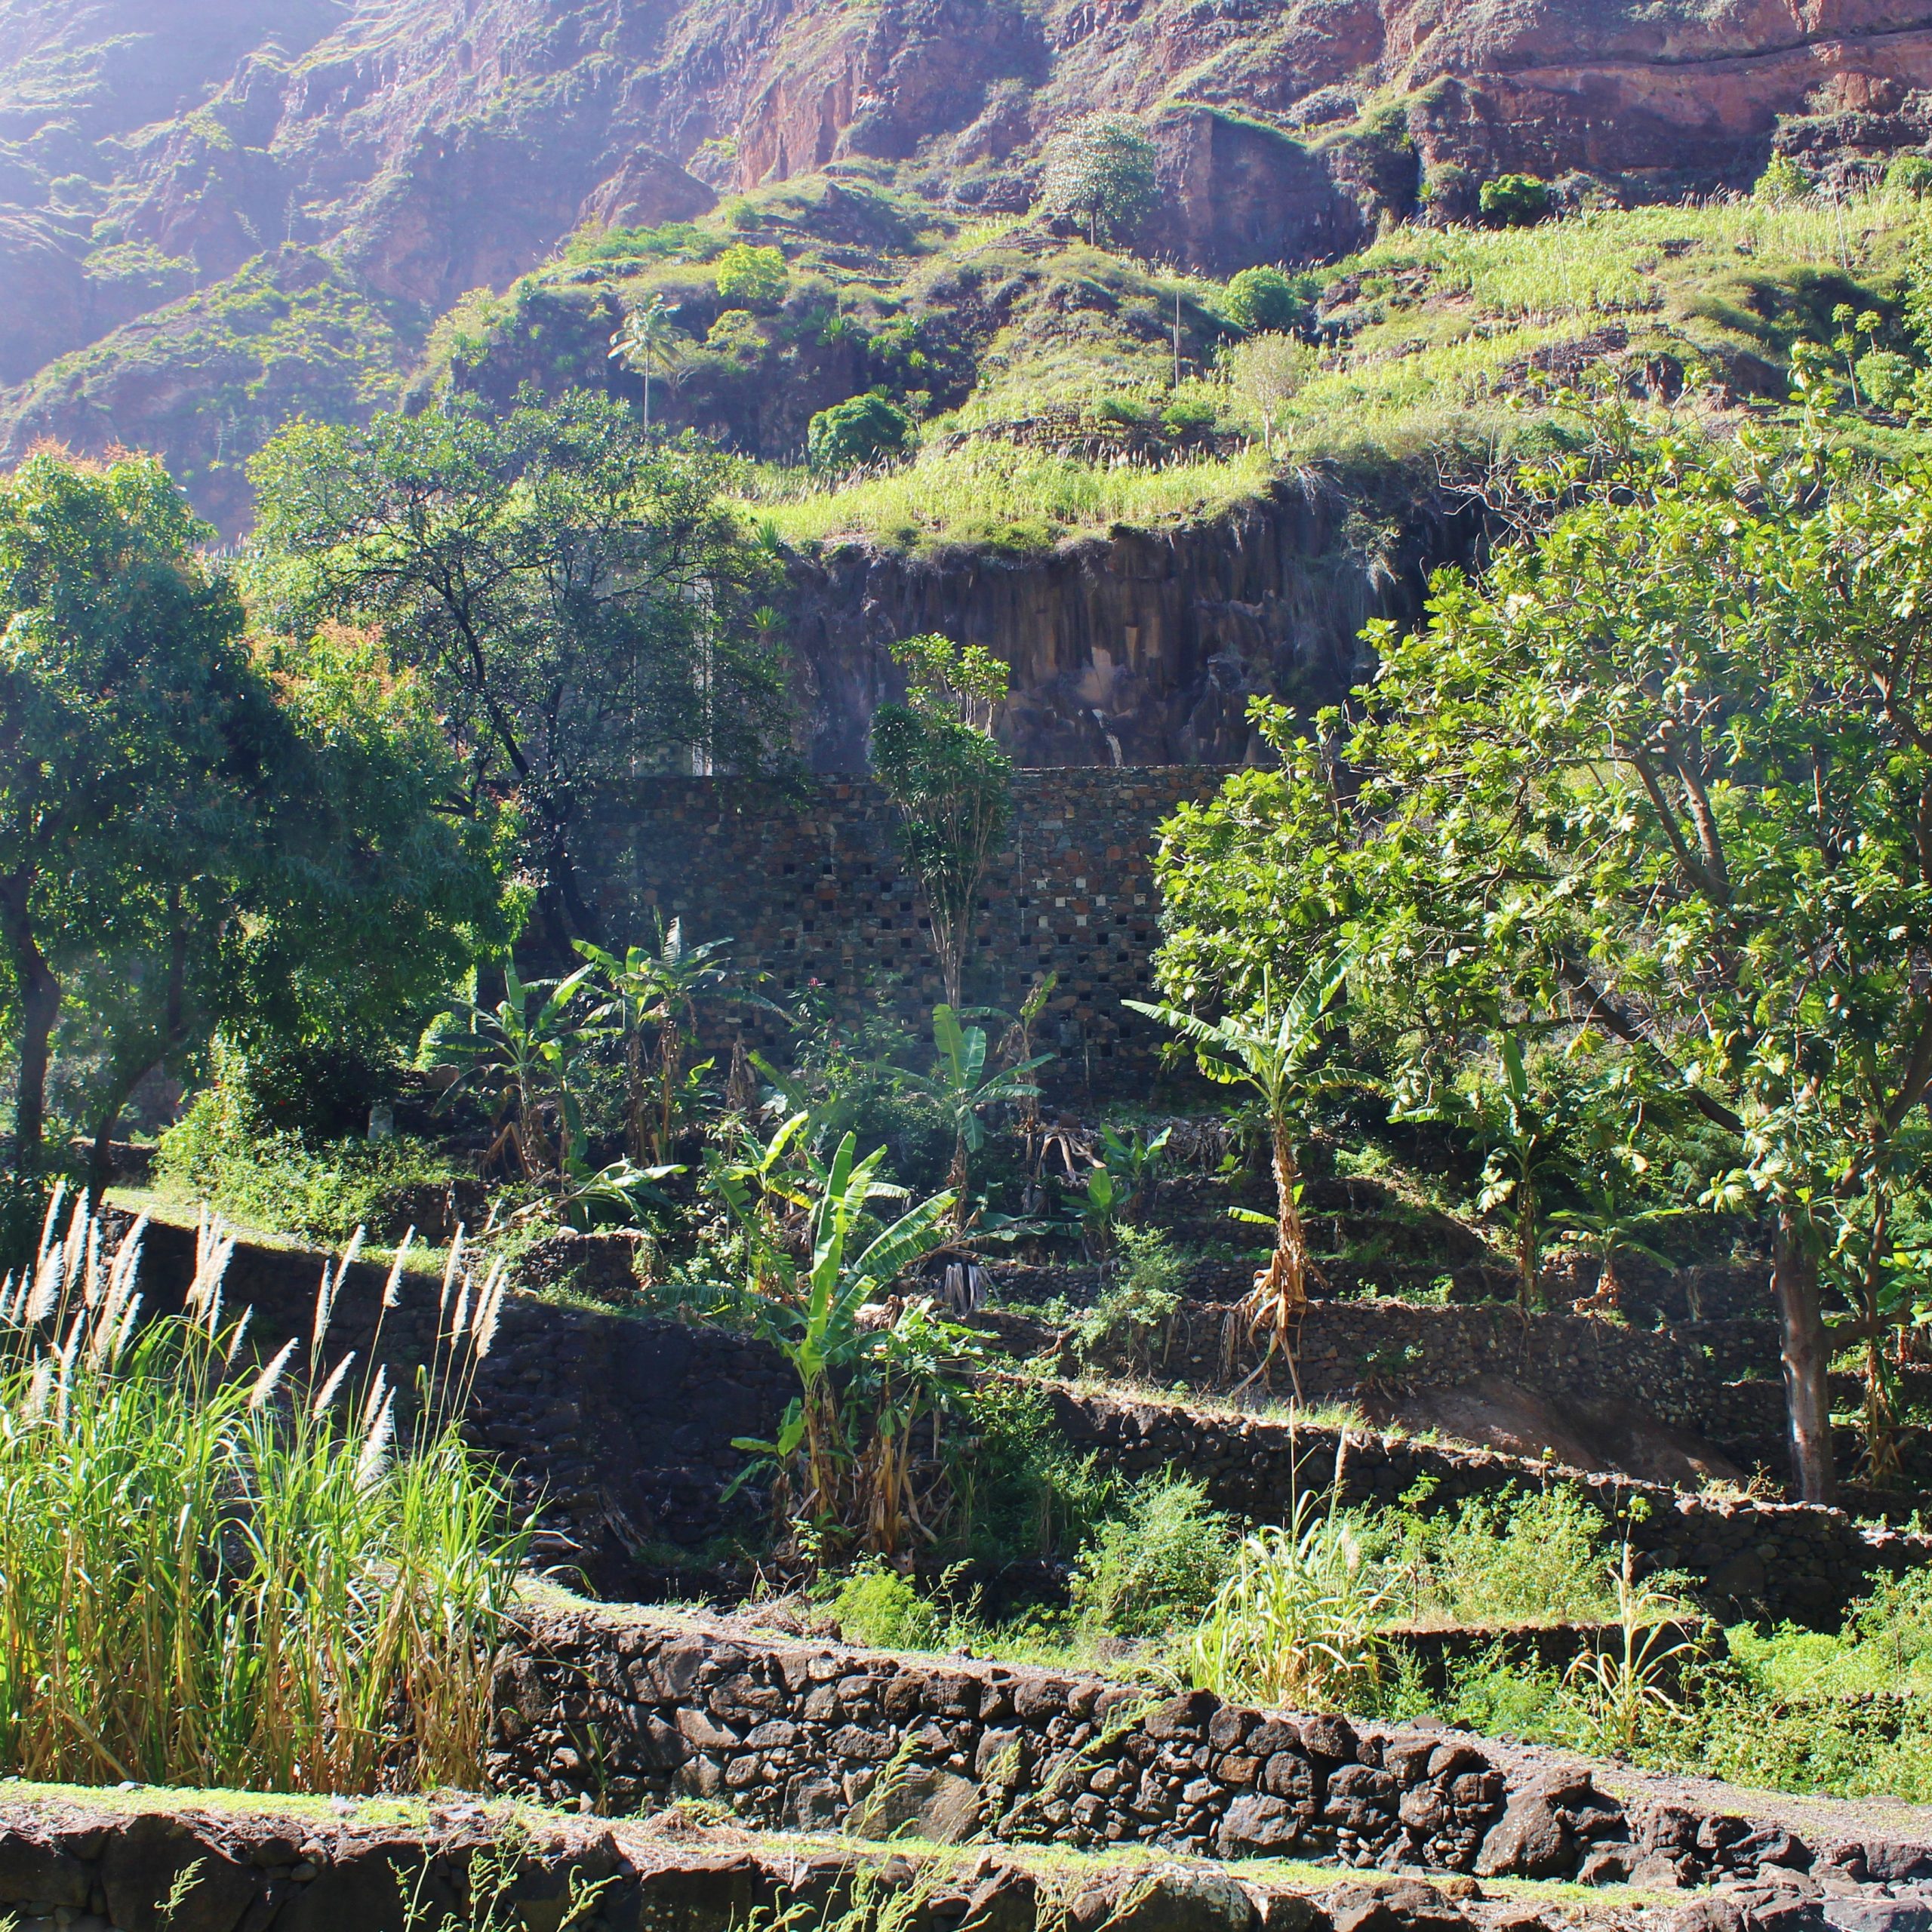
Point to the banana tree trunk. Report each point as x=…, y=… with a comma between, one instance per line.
x=1280, y=1292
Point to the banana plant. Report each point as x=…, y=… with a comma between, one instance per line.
x=657, y=989
x=523, y=1053
x=1133, y=1159
x=964, y=1087
x=863, y=1385
x=1528, y=1122
x=1275, y=1053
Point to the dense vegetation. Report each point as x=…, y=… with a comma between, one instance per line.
x=1596, y=922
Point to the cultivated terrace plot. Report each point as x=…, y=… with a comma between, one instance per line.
x=965, y=966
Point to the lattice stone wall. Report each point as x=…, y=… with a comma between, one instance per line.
x=807, y=881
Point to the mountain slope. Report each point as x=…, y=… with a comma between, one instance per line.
x=163, y=161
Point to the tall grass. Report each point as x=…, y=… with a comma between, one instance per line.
x=1299, y=1622
x=1611, y=260
x=1006, y=496
x=216, y=1573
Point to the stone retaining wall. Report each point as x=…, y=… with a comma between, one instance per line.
x=627, y=1711
x=622, y=1429
x=1749, y=1558
x=1718, y=1380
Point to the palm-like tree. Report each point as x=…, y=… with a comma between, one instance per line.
x=644, y=338
x=843, y=1442
x=963, y=1087
x=1274, y=1052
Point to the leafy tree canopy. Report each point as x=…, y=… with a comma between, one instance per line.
x=1100, y=173
x=862, y=429
x=1664, y=778
x=582, y=602
x=1262, y=299
x=198, y=833
x=1514, y=201
x=752, y=277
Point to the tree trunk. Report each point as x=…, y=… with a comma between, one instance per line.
x=1806, y=1355
x=40, y=1007
x=101, y=1158
x=1291, y=1237
x=1527, y=1270
x=959, y=1179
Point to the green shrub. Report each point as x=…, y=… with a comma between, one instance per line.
x=238, y=1580
x=1504, y=1560
x=1138, y=1304
x=1514, y=201
x=1264, y=298
x=736, y=333
x=1910, y=173
x=752, y=277
x=862, y=429
x=281, y=1184
x=1782, y=181
x=879, y=1608
x=1885, y=378
x=1190, y=413
x=1129, y=412
x=1156, y=1563
x=1021, y=1491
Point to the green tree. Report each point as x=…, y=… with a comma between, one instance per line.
x=950, y=782
x=643, y=341
x=1663, y=777
x=131, y=726
x=752, y=277
x=862, y=429
x=1910, y=172
x=199, y=833
x=1514, y=201
x=1275, y=1052
x=1100, y=173
x=1264, y=300
x=584, y=603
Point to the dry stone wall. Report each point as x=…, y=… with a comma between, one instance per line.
x=1718, y=1380
x=807, y=883
x=628, y=1711
x=622, y=1429
x=1746, y=1557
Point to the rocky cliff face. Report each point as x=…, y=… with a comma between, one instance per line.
x=433, y=146
x=1140, y=648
